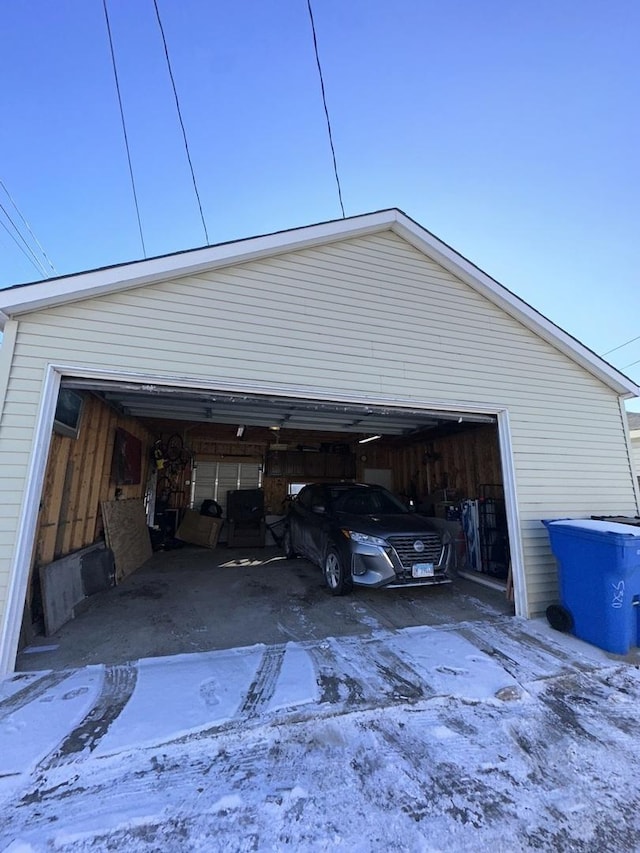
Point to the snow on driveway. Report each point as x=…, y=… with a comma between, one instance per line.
x=497, y=735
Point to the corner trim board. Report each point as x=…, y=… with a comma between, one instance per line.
x=6, y=359
x=521, y=598
x=21, y=563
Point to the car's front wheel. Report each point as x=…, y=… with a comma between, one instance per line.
x=336, y=576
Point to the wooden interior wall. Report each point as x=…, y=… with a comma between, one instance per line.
x=78, y=478
x=218, y=442
x=376, y=456
x=459, y=463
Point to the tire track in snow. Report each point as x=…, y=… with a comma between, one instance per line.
x=399, y=679
x=338, y=683
x=263, y=685
x=366, y=674
x=524, y=656
x=405, y=681
x=117, y=688
x=537, y=645
x=32, y=692
x=477, y=637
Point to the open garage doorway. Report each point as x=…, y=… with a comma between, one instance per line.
x=108, y=462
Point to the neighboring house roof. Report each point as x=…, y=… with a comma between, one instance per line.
x=25, y=298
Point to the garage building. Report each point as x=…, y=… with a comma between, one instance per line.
x=273, y=359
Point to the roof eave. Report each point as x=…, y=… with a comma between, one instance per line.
x=52, y=292
x=516, y=307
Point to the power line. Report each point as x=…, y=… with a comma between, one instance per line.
x=637, y=338
x=324, y=103
x=630, y=365
x=124, y=127
x=32, y=255
x=184, y=134
x=27, y=226
x=26, y=254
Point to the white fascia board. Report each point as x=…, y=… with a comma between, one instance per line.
x=459, y=266
x=52, y=292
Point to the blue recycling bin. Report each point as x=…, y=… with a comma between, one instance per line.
x=599, y=574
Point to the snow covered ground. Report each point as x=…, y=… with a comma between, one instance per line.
x=496, y=735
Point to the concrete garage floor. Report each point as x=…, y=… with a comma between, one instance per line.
x=193, y=599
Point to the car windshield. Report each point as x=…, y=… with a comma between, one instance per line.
x=367, y=502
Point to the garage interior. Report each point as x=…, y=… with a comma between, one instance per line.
x=136, y=476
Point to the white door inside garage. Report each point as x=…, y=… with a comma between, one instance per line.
x=214, y=480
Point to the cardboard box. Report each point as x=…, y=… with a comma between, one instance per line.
x=202, y=530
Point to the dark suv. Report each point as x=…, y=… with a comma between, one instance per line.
x=364, y=535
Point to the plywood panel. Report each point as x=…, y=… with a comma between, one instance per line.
x=127, y=534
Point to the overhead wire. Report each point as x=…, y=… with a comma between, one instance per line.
x=124, y=127
x=637, y=338
x=184, y=133
x=26, y=248
x=633, y=363
x=28, y=256
x=324, y=103
x=28, y=227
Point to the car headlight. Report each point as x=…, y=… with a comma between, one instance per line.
x=364, y=538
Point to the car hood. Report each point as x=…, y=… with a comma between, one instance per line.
x=386, y=525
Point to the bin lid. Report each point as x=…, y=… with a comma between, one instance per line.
x=596, y=526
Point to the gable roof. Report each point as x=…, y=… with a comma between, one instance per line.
x=634, y=420
x=25, y=298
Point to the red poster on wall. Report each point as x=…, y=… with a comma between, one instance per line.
x=126, y=465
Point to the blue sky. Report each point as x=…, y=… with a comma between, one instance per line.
x=510, y=129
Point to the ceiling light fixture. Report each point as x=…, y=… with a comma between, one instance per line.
x=371, y=438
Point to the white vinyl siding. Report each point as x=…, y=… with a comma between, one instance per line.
x=366, y=316
x=635, y=450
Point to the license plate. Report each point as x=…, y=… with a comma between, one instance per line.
x=422, y=570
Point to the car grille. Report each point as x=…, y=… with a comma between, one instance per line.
x=407, y=554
